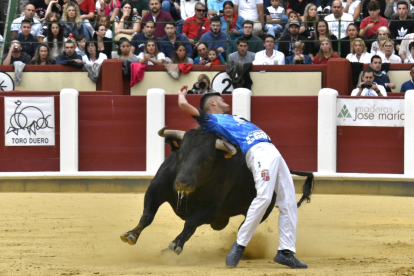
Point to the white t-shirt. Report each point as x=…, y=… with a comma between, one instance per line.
x=248, y=10
x=56, y=51
x=352, y=7
x=100, y=59
x=333, y=24
x=36, y=26
x=158, y=57
x=275, y=14
x=108, y=33
x=370, y=92
x=405, y=43
x=260, y=58
x=365, y=58
x=409, y=59
x=393, y=59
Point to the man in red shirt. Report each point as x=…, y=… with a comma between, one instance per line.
x=370, y=24
x=192, y=25
x=88, y=9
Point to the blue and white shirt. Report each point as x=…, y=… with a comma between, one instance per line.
x=237, y=130
x=275, y=14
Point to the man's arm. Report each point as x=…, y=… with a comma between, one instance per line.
x=7, y=60
x=261, y=14
x=183, y=103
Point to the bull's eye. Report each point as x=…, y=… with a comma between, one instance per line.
x=180, y=154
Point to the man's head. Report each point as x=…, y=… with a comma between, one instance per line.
x=275, y=3
x=376, y=63
x=15, y=45
x=368, y=75
x=29, y=12
x=215, y=25
x=170, y=29
x=337, y=8
x=149, y=29
x=69, y=47
x=402, y=9
x=213, y=103
x=293, y=16
x=202, y=50
x=242, y=46
x=412, y=72
x=373, y=9
x=294, y=27
x=200, y=10
x=269, y=42
x=25, y=27
x=155, y=6
x=247, y=28
x=298, y=47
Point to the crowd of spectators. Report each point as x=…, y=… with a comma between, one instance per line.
x=210, y=32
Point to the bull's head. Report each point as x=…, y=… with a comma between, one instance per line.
x=196, y=156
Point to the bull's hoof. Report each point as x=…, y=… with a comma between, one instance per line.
x=172, y=246
x=178, y=250
x=129, y=238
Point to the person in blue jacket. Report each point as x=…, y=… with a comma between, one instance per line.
x=270, y=173
x=298, y=57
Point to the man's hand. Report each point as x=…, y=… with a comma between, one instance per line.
x=202, y=61
x=391, y=85
x=78, y=60
x=220, y=49
x=184, y=105
x=375, y=88
x=369, y=26
x=183, y=91
x=177, y=7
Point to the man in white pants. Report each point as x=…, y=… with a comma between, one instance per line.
x=270, y=174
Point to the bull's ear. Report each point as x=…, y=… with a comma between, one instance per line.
x=173, y=142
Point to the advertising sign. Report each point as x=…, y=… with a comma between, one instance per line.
x=29, y=121
x=370, y=112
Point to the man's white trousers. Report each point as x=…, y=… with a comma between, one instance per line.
x=270, y=173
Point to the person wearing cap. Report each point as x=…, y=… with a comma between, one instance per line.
x=288, y=40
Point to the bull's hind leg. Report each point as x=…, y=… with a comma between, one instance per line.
x=190, y=226
x=152, y=201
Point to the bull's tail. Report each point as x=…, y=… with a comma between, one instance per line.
x=307, y=187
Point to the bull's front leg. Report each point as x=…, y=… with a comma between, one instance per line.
x=206, y=216
x=152, y=201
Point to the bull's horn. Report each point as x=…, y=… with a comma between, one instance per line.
x=178, y=134
x=229, y=148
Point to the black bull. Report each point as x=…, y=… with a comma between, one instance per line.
x=202, y=185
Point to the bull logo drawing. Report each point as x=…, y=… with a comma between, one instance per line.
x=20, y=121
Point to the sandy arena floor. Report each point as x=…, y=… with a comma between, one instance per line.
x=78, y=234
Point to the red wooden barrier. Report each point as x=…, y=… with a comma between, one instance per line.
x=112, y=133
x=292, y=124
x=370, y=149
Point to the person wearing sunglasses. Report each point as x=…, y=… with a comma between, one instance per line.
x=195, y=26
